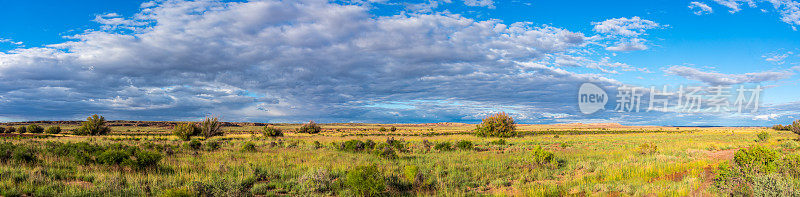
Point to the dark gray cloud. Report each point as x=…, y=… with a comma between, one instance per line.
x=291, y=61
x=714, y=78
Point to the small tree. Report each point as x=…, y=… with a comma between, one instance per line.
x=11, y=129
x=53, y=130
x=796, y=127
x=33, y=128
x=271, y=131
x=382, y=129
x=21, y=129
x=393, y=129
x=310, y=127
x=185, y=131
x=2, y=129
x=94, y=125
x=210, y=127
x=497, y=125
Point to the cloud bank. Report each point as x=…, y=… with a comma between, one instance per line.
x=293, y=61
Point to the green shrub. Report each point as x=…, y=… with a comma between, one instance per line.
x=763, y=136
x=113, y=157
x=387, y=152
x=184, y=131
x=2, y=129
x=11, y=152
x=212, y=145
x=310, y=127
x=316, y=180
x=249, y=147
x=497, y=125
x=399, y=145
x=464, y=145
x=94, y=125
x=647, y=148
x=145, y=159
x=11, y=129
x=271, y=131
x=354, y=146
x=757, y=158
x=22, y=129
x=541, y=157
x=393, y=129
x=210, y=127
x=365, y=181
x=53, y=130
x=316, y=145
x=443, y=146
x=33, y=128
x=772, y=185
x=194, y=144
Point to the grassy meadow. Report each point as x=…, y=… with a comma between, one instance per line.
x=362, y=160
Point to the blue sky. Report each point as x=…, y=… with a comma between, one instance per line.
x=388, y=61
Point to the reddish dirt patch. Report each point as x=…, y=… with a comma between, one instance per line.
x=708, y=179
x=723, y=155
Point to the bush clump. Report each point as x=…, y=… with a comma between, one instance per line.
x=53, y=130
x=763, y=136
x=11, y=129
x=795, y=127
x=497, y=125
x=185, y=131
x=541, y=157
x=316, y=180
x=757, y=158
x=249, y=147
x=18, y=153
x=94, y=125
x=647, y=148
x=113, y=157
x=194, y=144
x=22, y=129
x=311, y=127
x=387, y=152
x=443, y=146
x=33, y=128
x=757, y=171
x=779, y=127
x=144, y=159
x=210, y=127
x=365, y=181
x=271, y=131
x=212, y=145
x=356, y=146
x=465, y=145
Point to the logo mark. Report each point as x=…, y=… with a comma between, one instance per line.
x=591, y=98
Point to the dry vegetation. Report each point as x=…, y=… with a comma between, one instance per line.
x=349, y=159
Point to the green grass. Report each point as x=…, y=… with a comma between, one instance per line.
x=597, y=163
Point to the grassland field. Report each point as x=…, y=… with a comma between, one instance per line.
x=594, y=160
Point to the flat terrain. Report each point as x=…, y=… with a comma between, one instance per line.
x=593, y=159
